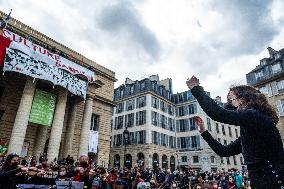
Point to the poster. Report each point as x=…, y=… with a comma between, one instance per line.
x=42, y=108
x=93, y=141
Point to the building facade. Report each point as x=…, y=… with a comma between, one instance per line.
x=162, y=130
x=268, y=77
x=73, y=116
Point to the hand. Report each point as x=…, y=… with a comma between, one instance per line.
x=199, y=123
x=192, y=82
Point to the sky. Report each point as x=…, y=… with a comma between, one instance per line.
x=218, y=41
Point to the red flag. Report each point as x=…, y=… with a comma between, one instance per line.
x=4, y=43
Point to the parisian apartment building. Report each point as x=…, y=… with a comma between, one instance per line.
x=162, y=133
x=268, y=77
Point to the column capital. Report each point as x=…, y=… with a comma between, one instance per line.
x=90, y=96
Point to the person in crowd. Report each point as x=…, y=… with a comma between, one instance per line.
x=239, y=180
x=111, y=179
x=11, y=173
x=259, y=141
x=231, y=183
x=62, y=173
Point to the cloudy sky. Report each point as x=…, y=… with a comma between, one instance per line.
x=219, y=41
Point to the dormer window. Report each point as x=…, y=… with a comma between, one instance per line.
x=259, y=74
x=276, y=68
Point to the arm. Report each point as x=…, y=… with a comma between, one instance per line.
x=224, y=151
x=217, y=113
x=5, y=175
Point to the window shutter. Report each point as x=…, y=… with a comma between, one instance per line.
x=152, y=132
x=144, y=137
x=178, y=142
x=144, y=116
x=274, y=88
x=279, y=108
x=187, y=142
x=185, y=110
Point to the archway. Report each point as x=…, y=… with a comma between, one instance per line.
x=164, y=162
x=116, y=162
x=140, y=159
x=128, y=161
x=155, y=161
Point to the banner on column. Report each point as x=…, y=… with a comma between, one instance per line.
x=93, y=141
x=42, y=108
x=37, y=67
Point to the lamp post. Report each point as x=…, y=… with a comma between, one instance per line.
x=126, y=140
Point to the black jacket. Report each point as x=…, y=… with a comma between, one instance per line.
x=259, y=139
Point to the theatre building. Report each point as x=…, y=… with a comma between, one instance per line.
x=52, y=99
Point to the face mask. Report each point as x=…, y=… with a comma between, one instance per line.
x=62, y=173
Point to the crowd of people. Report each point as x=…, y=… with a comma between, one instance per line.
x=16, y=170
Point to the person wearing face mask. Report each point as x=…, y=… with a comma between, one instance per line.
x=11, y=172
x=62, y=173
x=259, y=142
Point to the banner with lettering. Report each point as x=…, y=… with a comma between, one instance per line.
x=31, y=49
x=36, y=66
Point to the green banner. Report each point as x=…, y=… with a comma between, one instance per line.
x=42, y=108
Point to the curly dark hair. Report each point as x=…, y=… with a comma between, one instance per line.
x=253, y=98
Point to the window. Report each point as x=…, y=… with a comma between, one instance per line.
x=155, y=118
x=141, y=117
x=155, y=102
x=230, y=131
x=219, y=140
x=163, y=122
x=120, y=107
x=95, y=122
x=277, y=56
x=130, y=104
x=263, y=90
x=212, y=159
x=195, y=159
x=162, y=106
x=192, y=124
x=163, y=140
x=223, y=130
x=225, y=142
x=280, y=107
x=217, y=128
x=170, y=110
x=222, y=160
x=181, y=111
x=276, y=68
x=192, y=109
x=129, y=120
x=183, y=159
x=209, y=124
x=195, y=141
x=119, y=122
x=182, y=125
x=131, y=89
x=172, y=142
x=117, y=140
x=121, y=93
x=259, y=74
x=155, y=137
x=182, y=142
x=142, y=85
x=280, y=86
x=228, y=160
x=237, y=134
x=171, y=124
x=141, y=137
x=141, y=102
x=234, y=159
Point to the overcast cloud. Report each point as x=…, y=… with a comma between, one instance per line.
x=219, y=41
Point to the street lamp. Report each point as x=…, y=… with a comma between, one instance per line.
x=126, y=140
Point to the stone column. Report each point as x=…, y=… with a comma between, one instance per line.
x=40, y=141
x=57, y=126
x=70, y=129
x=85, y=131
x=22, y=118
